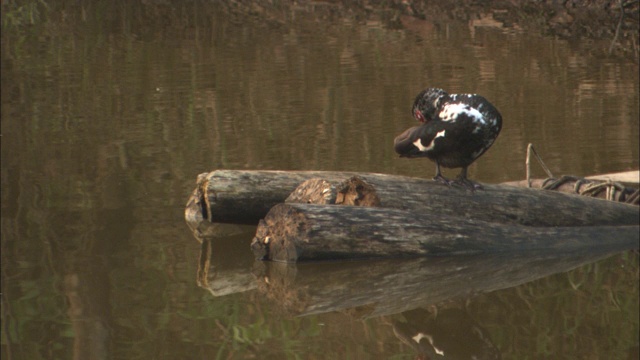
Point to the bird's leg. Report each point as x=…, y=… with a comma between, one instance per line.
x=439, y=176
x=464, y=181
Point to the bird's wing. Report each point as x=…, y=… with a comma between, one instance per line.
x=420, y=140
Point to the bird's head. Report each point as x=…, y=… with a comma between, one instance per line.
x=427, y=103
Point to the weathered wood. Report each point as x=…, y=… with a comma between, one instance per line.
x=501, y=204
x=301, y=232
x=353, y=191
x=629, y=178
x=385, y=287
x=245, y=196
x=196, y=208
x=596, y=188
x=314, y=191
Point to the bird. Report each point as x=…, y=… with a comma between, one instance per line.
x=455, y=130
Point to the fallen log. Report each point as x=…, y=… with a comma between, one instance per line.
x=595, y=187
x=302, y=232
x=500, y=204
x=627, y=178
x=245, y=197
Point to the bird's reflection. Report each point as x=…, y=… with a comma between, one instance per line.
x=445, y=334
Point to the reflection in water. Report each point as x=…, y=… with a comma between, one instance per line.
x=447, y=334
x=393, y=286
x=385, y=288
x=88, y=312
x=215, y=274
x=109, y=112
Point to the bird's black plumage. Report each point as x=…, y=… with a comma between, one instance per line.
x=456, y=130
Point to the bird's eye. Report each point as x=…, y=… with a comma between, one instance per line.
x=418, y=115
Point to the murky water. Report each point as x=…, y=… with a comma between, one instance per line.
x=104, y=132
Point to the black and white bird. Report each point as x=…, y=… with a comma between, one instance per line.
x=456, y=130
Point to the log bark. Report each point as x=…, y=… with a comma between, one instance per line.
x=245, y=197
x=303, y=232
x=353, y=191
x=500, y=204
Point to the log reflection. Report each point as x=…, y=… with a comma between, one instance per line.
x=422, y=297
x=222, y=268
x=376, y=288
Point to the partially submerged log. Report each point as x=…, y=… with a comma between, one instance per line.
x=301, y=232
x=245, y=197
x=495, y=203
x=399, y=216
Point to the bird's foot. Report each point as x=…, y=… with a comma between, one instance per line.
x=466, y=183
x=441, y=179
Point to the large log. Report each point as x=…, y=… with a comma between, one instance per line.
x=501, y=204
x=301, y=232
x=245, y=196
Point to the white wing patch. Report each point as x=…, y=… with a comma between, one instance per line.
x=429, y=338
x=418, y=143
x=450, y=112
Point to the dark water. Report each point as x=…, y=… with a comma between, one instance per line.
x=105, y=126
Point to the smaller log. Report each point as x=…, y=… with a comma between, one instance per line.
x=591, y=187
x=245, y=196
x=302, y=232
x=628, y=178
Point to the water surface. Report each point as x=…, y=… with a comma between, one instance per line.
x=105, y=126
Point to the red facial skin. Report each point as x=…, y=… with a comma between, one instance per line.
x=418, y=115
